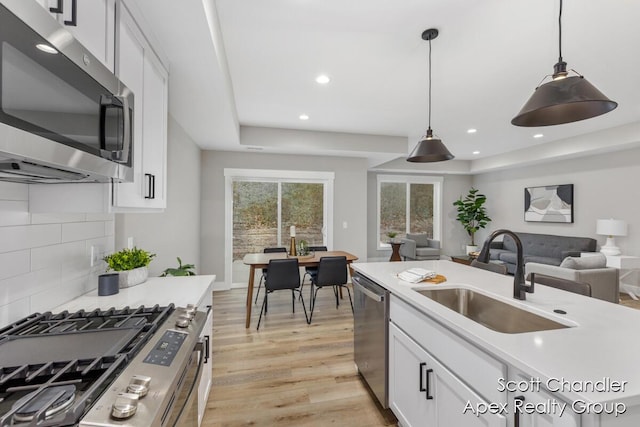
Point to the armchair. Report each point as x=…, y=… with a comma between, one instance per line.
x=419, y=247
x=604, y=281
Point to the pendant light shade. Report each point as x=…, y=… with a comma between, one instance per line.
x=564, y=99
x=429, y=149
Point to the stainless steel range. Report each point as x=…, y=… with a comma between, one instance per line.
x=133, y=366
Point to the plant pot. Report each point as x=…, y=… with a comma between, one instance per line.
x=133, y=277
x=471, y=248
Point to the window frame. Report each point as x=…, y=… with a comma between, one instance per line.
x=277, y=176
x=436, y=181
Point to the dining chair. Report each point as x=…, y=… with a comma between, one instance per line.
x=312, y=271
x=282, y=274
x=332, y=271
x=264, y=270
x=581, y=288
x=490, y=266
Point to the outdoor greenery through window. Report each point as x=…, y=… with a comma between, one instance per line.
x=408, y=204
x=262, y=205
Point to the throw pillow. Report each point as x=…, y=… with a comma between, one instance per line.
x=584, y=263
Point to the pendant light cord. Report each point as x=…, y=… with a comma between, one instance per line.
x=560, y=32
x=430, y=83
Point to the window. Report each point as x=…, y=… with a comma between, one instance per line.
x=262, y=205
x=408, y=204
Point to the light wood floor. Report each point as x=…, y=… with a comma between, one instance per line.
x=288, y=373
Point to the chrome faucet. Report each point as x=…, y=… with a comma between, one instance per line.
x=520, y=288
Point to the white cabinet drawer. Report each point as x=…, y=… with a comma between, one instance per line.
x=479, y=370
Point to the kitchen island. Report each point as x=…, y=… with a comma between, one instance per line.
x=482, y=375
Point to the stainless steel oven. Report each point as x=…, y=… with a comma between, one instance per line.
x=131, y=366
x=64, y=116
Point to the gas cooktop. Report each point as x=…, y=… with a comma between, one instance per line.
x=54, y=366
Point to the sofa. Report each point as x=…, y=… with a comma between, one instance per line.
x=604, y=281
x=540, y=248
x=419, y=247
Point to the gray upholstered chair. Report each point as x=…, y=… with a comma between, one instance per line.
x=419, y=247
x=604, y=281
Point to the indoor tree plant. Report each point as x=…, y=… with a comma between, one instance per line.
x=472, y=214
x=131, y=264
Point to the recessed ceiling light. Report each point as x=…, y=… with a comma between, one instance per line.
x=476, y=152
x=323, y=79
x=304, y=117
x=472, y=130
x=538, y=135
x=46, y=48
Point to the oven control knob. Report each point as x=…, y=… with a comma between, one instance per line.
x=139, y=385
x=190, y=310
x=125, y=406
x=183, y=321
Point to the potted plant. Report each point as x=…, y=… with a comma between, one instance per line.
x=182, y=270
x=472, y=214
x=391, y=235
x=131, y=264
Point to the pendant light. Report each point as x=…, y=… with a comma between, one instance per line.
x=429, y=149
x=564, y=99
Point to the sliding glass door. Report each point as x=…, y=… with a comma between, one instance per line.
x=263, y=207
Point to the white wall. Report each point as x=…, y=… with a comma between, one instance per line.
x=176, y=231
x=605, y=186
x=45, y=258
x=350, y=199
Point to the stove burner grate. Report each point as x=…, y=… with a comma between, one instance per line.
x=51, y=400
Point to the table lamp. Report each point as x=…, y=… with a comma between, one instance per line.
x=610, y=228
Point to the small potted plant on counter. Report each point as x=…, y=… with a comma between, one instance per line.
x=131, y=264
x=182, y=270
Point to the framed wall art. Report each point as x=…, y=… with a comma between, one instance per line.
x=551, y=203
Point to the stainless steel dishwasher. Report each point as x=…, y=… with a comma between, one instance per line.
x=371, y=334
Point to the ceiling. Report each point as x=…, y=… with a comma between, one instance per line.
x=254, y=63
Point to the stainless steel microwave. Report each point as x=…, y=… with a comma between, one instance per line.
x=64, y=116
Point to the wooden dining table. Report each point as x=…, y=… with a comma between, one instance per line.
x=261, y=260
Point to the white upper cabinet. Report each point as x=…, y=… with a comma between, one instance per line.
x=92, y=23
x=141, y=71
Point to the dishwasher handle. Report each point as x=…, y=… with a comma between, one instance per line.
x=374, y=296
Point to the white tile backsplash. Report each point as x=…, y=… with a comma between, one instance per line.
x=14, y=212
x=11, y=191
x=14, y=264
x=62, y=254
x=75, y=231
x=45, y=258
x=57, y=218
x=29, y=236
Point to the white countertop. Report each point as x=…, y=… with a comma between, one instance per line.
x=604, y=343
x=156, y=290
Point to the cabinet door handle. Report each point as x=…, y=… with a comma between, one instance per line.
x=149, y=178
x=516, y=414
x=206, y=348
x=429, y=397
x=74, y=14
x=58, y=8
x=422, y=387
x=153, y=186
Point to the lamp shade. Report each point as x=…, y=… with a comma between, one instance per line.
x=429, y=150
x=611, y=227
x=563, y=101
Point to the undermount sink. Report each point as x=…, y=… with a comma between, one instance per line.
x=490, y=312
